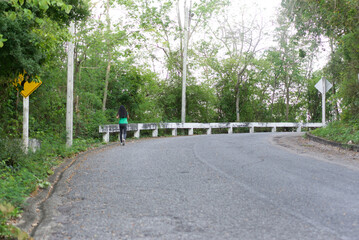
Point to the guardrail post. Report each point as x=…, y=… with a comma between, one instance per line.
x=106, y=136
x=190, y=132
x=230, y=130
x=251, y=130
x=137, y=133
x=174, y=132
x=299, y=128
x=155, y=132
x=209, y=131
x=274, y=129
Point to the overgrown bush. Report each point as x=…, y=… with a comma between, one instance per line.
x=11, y=153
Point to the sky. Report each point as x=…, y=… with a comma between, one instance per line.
x=267, y=9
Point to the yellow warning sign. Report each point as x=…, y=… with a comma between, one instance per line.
x=29, y=87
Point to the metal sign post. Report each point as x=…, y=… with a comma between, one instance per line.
x=25, y=123
x=323, y=86
x=28, y=88
x=323, y=101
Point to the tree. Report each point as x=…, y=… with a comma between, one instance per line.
x=32, y=34
x=337, y=20
x=31, y=30
x=161, y=23
x=239, y=44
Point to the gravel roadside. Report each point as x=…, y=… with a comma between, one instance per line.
x=302, y=145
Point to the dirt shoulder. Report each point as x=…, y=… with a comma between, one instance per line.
x=304, y=146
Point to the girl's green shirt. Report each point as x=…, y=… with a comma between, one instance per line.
x=123, y=121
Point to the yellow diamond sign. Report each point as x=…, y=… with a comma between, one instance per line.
x=29, y=87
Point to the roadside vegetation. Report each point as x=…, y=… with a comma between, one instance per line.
x=233, y=75
x=22, y=175
x=341, y=132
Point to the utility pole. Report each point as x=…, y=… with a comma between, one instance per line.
x=184, y=71
x=109, y=54
x=70, y=88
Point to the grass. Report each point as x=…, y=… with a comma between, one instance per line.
x=339, y=131
x=21, y=174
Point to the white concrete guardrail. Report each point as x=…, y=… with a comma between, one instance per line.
x=137, y=127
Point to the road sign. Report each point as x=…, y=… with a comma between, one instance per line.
x=319, y=85
x=29, y=87
x=323, y=86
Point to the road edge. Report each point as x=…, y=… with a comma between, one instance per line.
x=32, y=214
x=351, y=147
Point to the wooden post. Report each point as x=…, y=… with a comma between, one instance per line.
x=25, y=128
x=70, y=89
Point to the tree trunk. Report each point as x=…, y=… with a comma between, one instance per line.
x=273, y=96
x=237, y=105
x=181, y=30
x=106, y=82
x=336, y=107
x=287, y=97
x=236, y=90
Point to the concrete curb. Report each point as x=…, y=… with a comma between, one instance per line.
x=32, y=214
x=351, y=147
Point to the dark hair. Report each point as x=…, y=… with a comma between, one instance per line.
x=122, y=112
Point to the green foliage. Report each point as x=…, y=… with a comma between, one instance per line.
x=32, y=29
x=8, y=211
x=339, y=131
x=21, y=174
x=2, y=40
x=337, y=20
x=200, y=104
x=20, y=51
x=314, y=103
x=330, y=17
x=10, y=153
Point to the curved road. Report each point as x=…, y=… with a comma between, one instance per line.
x=239, y=186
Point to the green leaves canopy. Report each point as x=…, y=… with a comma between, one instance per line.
x=30, y=29
x=339, y=21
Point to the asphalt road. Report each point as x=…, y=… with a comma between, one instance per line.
x=239, y=186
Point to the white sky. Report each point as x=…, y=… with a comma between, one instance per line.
x=267, y=9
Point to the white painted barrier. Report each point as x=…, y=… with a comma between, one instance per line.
x=137, y=127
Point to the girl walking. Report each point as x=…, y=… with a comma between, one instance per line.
x=123, y=115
